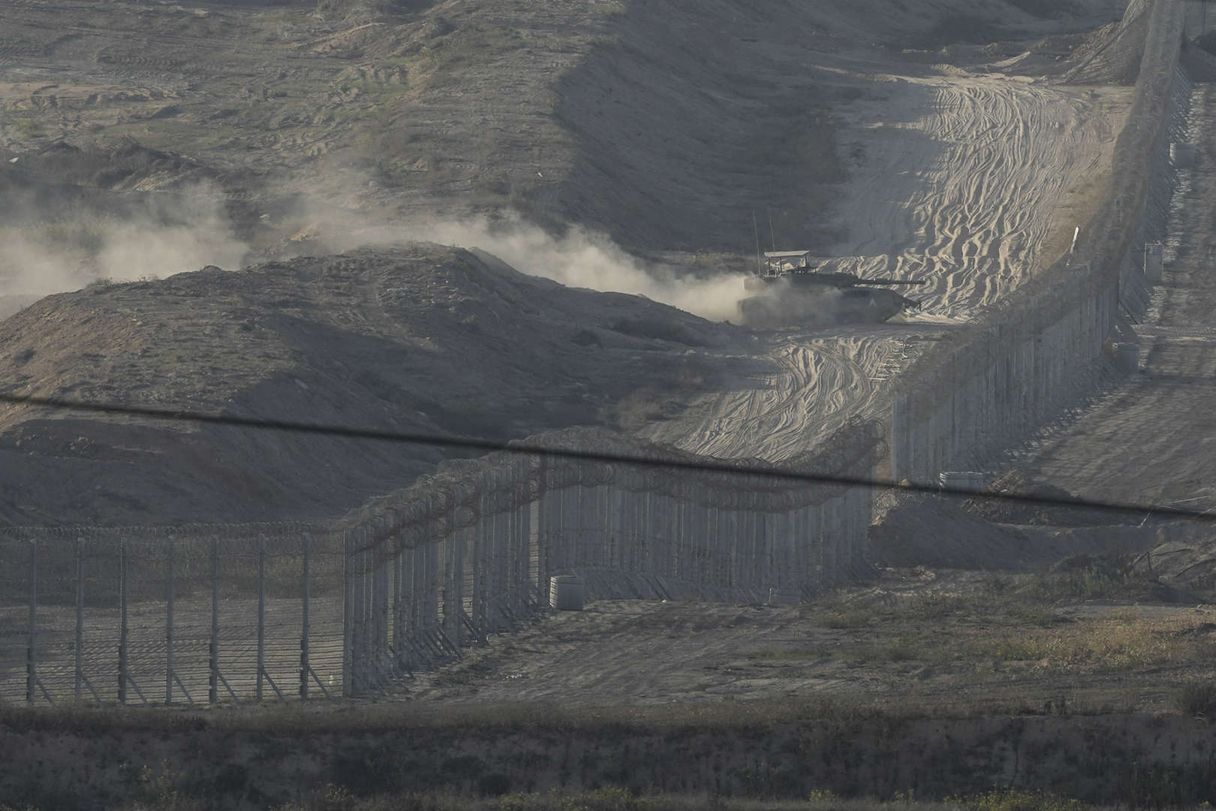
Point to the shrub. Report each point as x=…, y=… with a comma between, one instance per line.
x=493, y=785
x=1023, y=801
x=1197, y=699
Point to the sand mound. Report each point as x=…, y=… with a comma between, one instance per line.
x=419, y=338
x=941, y=532
x=1112, y=54
x=126, y=165
x=1189, y=564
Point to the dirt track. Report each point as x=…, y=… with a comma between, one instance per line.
x=969, y=188
x=584, y=112
x=808, y=387
x=970, y=182
x=1150, y=438
x=947, y=641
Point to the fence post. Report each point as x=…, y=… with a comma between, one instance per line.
x=536, y=538
x=261, y=652
x=348, y=633
x=380, y=590
x=31, y=651
x=169, y=599
x=402, y=626
x=305, y=665
x=213, y=659
x=122, y=628
x=79, y=652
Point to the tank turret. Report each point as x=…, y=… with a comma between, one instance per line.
x=792, y=291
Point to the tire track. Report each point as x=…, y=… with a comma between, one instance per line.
x=963, y=179
x=1153, y=438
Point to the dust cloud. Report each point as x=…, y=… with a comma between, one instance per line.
x=169, y=233
x=579, y=258
x=166, y=233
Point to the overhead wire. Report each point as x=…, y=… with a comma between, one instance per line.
x=700, y=465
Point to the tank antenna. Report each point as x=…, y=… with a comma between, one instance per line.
x=756, y=229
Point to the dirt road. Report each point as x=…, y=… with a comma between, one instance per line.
x=971, y=182
x=810, y=385
x=915, y=639
x=1153, y=438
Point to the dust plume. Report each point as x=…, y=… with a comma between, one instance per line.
x=67, y=248
x=579, y=258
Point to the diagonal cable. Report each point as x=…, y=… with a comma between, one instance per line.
x=524, y=449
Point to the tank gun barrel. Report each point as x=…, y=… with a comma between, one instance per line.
x=895, y=282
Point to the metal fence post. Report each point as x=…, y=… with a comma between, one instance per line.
x=79, y=652
x=261, y=651
x=123, y=628
x=169, y=599
x=213, y=657
x=305, y=665
x=31, y=651
x=348, y=634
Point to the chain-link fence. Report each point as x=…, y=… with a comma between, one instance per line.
x=206, y=614
x=470, y=551
x=192, y=614
x=232, y=613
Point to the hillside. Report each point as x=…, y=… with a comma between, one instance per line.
x=664, y=125
x=419, y=338
x=152, y=139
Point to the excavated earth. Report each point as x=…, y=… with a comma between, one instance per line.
x=949, y=142
x=419, y=339
x=316, y=150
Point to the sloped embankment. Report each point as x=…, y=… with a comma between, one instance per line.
x=420, y=339
x=1112, y=55
x=693, y=115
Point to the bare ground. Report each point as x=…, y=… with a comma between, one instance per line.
x=419, y=339
x=1148, y=438
x=280, y=128
x=932, y=640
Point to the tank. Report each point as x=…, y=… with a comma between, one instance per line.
x=792, y=292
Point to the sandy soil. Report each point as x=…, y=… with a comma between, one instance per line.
x=964, y=180
x=1149, y=438
x=810, y=386
x=419, y=339
x=945, y=639
x=971, y=182
x=870, y=149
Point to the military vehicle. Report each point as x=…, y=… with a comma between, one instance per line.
x=792, y=291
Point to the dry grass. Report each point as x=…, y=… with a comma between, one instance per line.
x=1197, y=699
x=614, y=799
x=1120, y=642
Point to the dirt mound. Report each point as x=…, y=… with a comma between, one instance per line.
x=1189, y=563
x=1007, y=512
x=123, y=166
x=15, y=304
x=420, y=338
x=1112, y=54
x=941, y=532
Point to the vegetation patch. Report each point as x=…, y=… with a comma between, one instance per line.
x=1120, y=642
